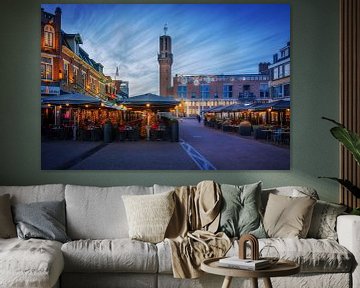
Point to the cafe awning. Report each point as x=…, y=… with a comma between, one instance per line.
x=70, y=99
x=276, y=106
x=151, y=100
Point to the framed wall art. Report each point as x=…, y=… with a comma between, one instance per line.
x=165, y=86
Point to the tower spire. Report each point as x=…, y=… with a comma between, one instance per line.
x=165, y=59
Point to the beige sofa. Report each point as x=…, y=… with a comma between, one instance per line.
x=101, y=254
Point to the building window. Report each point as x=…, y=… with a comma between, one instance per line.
x=46, y=68
x=49, y=35
x=281, y=71
x=216, y=95
x=227, y=91
x=276, y=73
x=287, y=90
x=75, y=74
x=287, y=69
x=264, y=90
x=182, y=91
x=66, y=72
x=92, y=83
x=83, y=80
x=193, y=95
x=204, y=91
x=276, y=92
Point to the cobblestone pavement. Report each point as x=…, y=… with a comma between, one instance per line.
x=228, y=151
x=200, y=148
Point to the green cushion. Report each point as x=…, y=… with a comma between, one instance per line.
x=240, y=213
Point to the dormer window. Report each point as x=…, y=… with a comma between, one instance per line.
x=49, y=36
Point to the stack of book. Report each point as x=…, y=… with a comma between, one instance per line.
x=248, y=264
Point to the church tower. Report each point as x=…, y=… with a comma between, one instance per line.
x=165, y=58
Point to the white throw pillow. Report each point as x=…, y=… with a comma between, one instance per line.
x=149, y=215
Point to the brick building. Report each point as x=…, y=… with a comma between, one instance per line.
x=280, y=74
x=199, y=92
x=67, y=68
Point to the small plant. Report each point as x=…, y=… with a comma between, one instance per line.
x=351, y=141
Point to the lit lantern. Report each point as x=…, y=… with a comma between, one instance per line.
x=60, y=75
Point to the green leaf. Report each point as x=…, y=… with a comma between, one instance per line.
x=349, y=139
x=347, y=184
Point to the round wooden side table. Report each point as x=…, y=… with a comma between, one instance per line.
x=281, y=268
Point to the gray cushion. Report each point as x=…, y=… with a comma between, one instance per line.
x=117, y=255
x=240, y=213
x=7, y=227
x=98, y=213
x=34, y=193
x=323, y=222
x=32, y=263
x=44, y=220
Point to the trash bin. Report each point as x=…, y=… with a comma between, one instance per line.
x=174, y=130
x=107, y=132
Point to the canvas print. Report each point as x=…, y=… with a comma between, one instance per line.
x=165, y=87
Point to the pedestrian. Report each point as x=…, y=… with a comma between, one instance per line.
x=198, y=118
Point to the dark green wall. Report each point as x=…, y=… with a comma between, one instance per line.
x=315, y=69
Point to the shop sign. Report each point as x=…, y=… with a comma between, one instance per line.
x=50, y=90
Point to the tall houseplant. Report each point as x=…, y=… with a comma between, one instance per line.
x=351, y=141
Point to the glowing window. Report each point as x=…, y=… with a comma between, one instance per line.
x=49, y=35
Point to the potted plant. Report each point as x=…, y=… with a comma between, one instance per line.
x=351, y=141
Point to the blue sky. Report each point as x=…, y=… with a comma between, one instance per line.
x=206, y=38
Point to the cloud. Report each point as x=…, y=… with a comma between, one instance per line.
x=206, y=38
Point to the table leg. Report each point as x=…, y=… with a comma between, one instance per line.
x=267, y=283
x=227, y=282
x=254, y=282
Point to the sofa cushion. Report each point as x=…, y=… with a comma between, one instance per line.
x=149, y=215
x=43, y=220
x=117, y=255
x=35, y=193
x=240, y=210
x=313, y=255
x=7, y=226
x=109, y=280
x=287, y=216
x=30, y=263
x=163, y=188
x=98, y=213
x=323, y=222
x=291, y=191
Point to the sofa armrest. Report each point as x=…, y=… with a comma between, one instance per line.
x=348, y=230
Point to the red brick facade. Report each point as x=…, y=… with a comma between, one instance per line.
x=66, y=67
